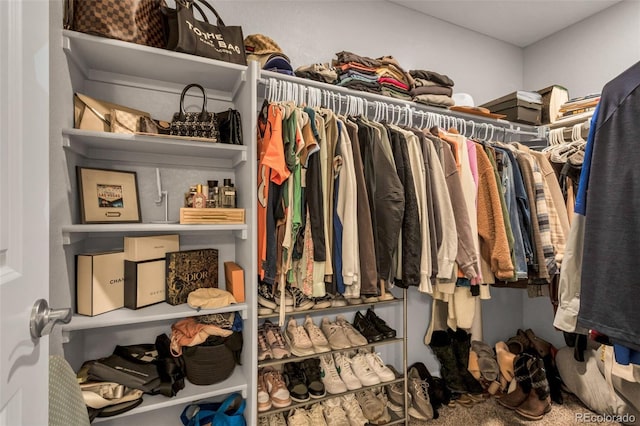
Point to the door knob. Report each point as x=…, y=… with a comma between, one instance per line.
x=43, y=318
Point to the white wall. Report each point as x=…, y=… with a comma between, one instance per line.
x=586, y=55
x=310, y=32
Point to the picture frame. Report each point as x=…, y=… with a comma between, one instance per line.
x=108, y=196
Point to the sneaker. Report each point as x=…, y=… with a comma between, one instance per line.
x=300, y=300
x=263, y=420
x=276, y=387
x=298, y=417
x=264, y=311
x=363, y=371
x=370, y=299
x=343, y=365
x=380, y=324
x=385, y=417
x=318, y=339
x=298, y=339
x=279, y=348
x=420, y=407
x=353, y=410
x=265, y=296
x=264, y=400
x=371, y=406
x=366, y=328
x=352, y=334
x=322, y=302
x=330, y=377
x=264, y=351
x=296, y=382
x=338, y=301
x=311, y=369
x=354, y=300
x=288, y=297
x=277, y=420
x=316, y=416
x=395, y=398
x=335, y=334
x=334, y=413
x=376, y=364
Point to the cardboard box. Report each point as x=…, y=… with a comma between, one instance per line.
x=234, y=280
x=144, y=283
x=99, y=282
x=516, y=109
x=139, y=249
x=552, y=99
x=189, y=270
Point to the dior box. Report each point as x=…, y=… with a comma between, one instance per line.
x=234, y=280
x=148, y=248
x=99, y=282
x=144, y=283
x=190, y=270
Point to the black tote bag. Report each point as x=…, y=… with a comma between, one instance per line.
x=187, y=34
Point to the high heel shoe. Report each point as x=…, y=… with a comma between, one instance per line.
x=505, y=361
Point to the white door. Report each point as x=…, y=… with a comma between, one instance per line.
x=24, y=208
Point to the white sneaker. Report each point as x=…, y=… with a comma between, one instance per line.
x=264, y=400
x=363, y=370
x=330, y=377
x=353, y=410
x=334, y=413
x=318, y=339
x=385, y=417
x=298, y=339
x=316, y=417
x=376, y=364
x=335, y=334
x=371, y=406
x=298, y=417
x=343, y=365
x=354, y=336
x=277, y=420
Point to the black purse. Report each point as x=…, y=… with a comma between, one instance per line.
x=230, y=126
x=201, y=124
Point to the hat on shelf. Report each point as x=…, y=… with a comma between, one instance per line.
x=210, y=298
x=264, y=50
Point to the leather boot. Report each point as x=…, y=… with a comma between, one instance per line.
x=443, y=350
x=534, y=408
x=514, y=399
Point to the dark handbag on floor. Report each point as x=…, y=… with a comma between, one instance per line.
x=230, y=126
x=226, y=413
x=200, y=37
x=195, y=124
x=135, y=21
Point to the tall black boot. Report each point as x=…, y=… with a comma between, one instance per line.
x=461, y=343
x=442, y=348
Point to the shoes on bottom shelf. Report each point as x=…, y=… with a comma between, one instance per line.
x=276, y=387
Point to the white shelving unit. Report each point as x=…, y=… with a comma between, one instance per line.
x=150, y=79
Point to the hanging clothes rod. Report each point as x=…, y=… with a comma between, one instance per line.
x=379, y=107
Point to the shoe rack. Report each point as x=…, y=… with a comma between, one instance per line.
x=331, y=312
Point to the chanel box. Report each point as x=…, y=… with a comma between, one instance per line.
x=234, y=280
x=148, y=248
x=99, y=282
x=189, y=270
x=144, y=283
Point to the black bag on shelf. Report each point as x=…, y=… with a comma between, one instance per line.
x=230, y=126
x=213, y=360
x=200, y=37
x=195, y=124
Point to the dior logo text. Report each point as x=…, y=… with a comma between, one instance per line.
x=116, y=281
x=214, y=40
x=192, y=276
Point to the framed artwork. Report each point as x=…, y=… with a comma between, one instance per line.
x=108, y=196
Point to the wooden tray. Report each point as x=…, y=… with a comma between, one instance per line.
x=193, y=216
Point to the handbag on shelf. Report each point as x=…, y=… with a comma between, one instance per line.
x=97, y=115
x=187, y=34
x=135, y=21
x=195, y=124
x=230, y=126
x=151, y=126
x=124, y=121
x=226, y=413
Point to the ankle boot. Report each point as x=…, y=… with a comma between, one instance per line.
x=461, y=343
x=441, y=347
x=534, y=408
x=514, y=399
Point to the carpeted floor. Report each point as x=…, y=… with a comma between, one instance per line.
x=490, y=413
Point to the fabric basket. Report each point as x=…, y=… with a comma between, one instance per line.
x=206, y=365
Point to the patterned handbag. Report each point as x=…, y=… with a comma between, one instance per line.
x=201, y=124
x=135, y=21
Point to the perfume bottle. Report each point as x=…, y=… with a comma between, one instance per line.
x=212, y=199
x=199, y=199
x=228, y=195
